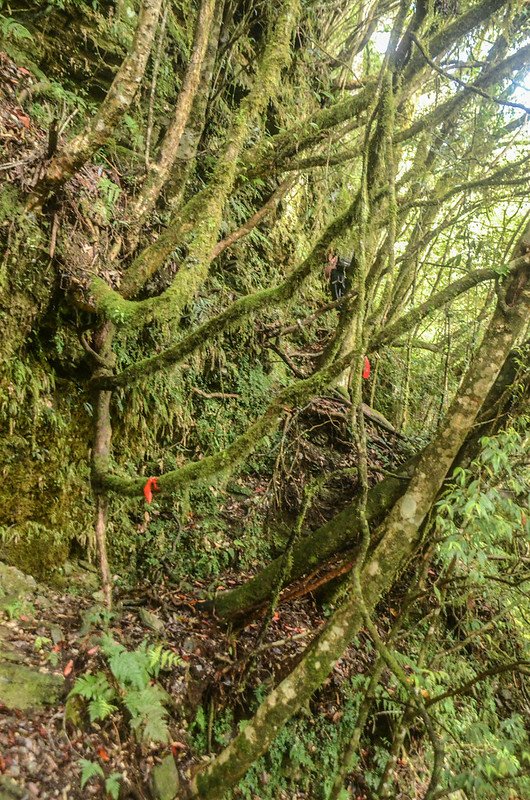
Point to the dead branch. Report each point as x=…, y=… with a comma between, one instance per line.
x=287, y=360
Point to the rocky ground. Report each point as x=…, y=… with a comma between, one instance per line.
x=48, y=639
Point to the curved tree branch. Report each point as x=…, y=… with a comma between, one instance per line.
x=410, y=320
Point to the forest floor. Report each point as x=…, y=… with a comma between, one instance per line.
x=49, y=638
x=56, y=635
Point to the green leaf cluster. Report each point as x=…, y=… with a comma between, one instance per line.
x=128, y=685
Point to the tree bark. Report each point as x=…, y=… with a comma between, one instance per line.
x=203, y=214
x=159, y=170
x=101, y=449
x=399, y=534
x=312, y=551
x=340, y=534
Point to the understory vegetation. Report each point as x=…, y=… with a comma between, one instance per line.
x=264, y=393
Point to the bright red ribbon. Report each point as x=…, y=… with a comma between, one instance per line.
x=150, y=487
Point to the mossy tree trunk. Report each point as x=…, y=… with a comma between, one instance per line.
x=341, y=533
x=70, y=158
x=399, y=536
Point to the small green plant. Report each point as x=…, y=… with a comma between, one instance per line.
x=96, y=617
x=16, y=609
x=130, y=687
x=98, y=692
x=9, y=29
x=40, y=643
x=43, y=645
x=91, y=769
x=110, y=192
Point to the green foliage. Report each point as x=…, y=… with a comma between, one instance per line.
x=91, y=769
x=161, y=422
x=43, y=645
x=96, y=617
x=110, y=192
x=112, y=785
x=482, y=523
x=16, y=608
x=12, y=30
x=199, y=731
x=305, y=754
x=128, y=685
x=485, y=512
x=97, y=690
x=41, y=642
x=134, y=132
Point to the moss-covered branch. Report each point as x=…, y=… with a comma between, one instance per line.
x=391, y=332
x=340, y=533
x=470, y=88
x=498, y=178
x=276, y=153
x=202, y=216
x=500, y=71
x=239, y=309
x=254, y=220
x=68, y=160
x=400, y=536
x=223, y=463
x=160, y=169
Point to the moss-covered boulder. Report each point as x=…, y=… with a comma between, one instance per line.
x=165, y=779
x=14, y=585
x=21, y=686
x=9, y=790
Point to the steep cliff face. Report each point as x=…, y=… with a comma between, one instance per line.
x=46, y=83
x=40, y=496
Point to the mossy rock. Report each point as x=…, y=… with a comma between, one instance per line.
x=75, y=578
x=165, y=779
x=9, y=790
x=22, y=687
x=14, y=583
x=36, y=550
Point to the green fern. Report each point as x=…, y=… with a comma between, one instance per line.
x=132, y=671
x=99, y=708
x=98, y=691
x=148, y=714
x=89, y=770
x=91, y=686
x=130, y=668
x=161, y=660
x=9, y=29
x=112, y=785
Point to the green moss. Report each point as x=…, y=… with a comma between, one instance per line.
x=45, y=493
x=23, y=688
x=26, y=282
x=34, y=548
x=10, y=203
x=340, y=534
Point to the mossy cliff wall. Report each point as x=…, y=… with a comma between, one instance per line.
x=43, y=441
